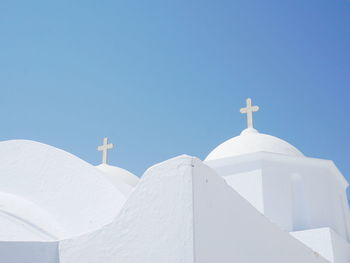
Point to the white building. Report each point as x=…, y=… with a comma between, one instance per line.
x=255, y=198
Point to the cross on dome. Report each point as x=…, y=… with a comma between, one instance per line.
x=249, y=111
x=104, y=149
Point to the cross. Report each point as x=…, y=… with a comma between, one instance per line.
x=249, y=111
x=104, y=149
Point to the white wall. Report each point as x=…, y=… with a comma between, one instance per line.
x=29, y=252
x=297, y=193
x=285, y=184
x=228, y=229
x=154, y=226
x=325, y=242
x=341, y=248
x=248, y=185
x=319, y=240
x=181, y=211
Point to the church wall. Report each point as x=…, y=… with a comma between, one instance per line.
x=228, y=229
x=341, y=248
x=249, y=186
x=29, y=252
x=326, y=210
x=319, y=240
x=322, y=205
x=154, y=226
x=297, y=193
x=300, y=205
x=182, y=211
x=277, y=195
x=236, y=164
x=243, y=174
x=325, y=242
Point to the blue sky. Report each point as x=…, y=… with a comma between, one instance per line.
x=163, y=78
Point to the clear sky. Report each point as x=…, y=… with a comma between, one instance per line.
x=162, y=78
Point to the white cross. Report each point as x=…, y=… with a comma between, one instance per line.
x=249, y=111
x=104, y=149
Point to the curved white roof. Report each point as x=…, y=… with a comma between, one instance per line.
x=49, y=194
x=250, y=141
x=116, y=175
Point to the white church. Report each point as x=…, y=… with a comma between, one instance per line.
x=255, y=198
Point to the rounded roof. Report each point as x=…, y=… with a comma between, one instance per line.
x=49, y=194
x=116, y=174
x=250, y=141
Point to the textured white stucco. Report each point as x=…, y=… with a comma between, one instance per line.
x=228, y=209
x=228, y=229
x=155, y=224
x=49, y=194
x=24, y=220
x=182, y=212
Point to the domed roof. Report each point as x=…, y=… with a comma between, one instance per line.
x=250, y=141
x=49, y=194
x=116, y=175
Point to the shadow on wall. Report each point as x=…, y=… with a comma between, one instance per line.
x=30, y=252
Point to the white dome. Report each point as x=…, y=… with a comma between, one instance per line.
x=250, y=141
x=116, y=175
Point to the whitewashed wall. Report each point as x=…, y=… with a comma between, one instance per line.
x=228, y=229
x=296, y=193
x=155, y=224
x=29, y=252
x=301, y=196
x=326, y=242
x=183, y=212
x=249, y=185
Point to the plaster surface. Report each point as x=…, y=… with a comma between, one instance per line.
x=155, y=224
x=296, y=193
x=325, y=242
x=228, y=229
x=122, y=179
x=251, y=141
x=182, y=211
x=49, y=194
x=29, y=252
